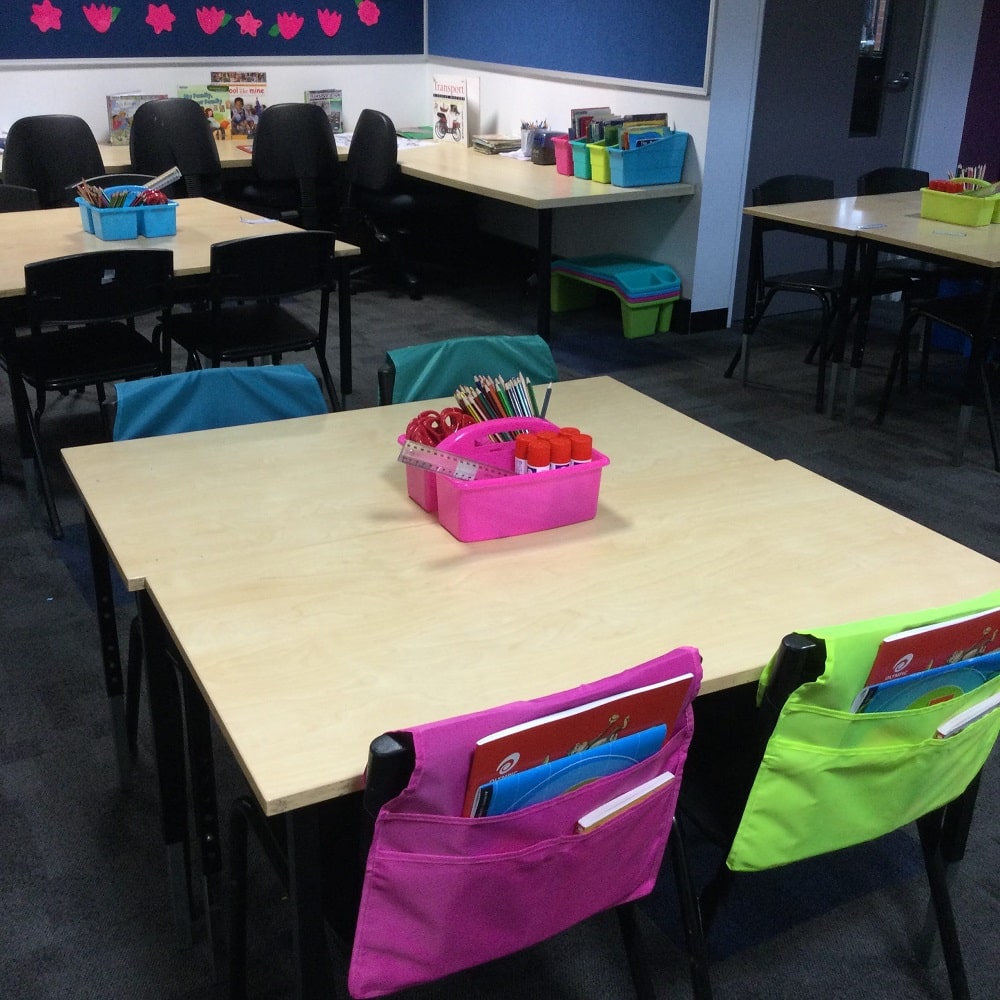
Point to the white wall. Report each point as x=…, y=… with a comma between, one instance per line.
x=698, y=236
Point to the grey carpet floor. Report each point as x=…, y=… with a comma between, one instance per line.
x=82, y=879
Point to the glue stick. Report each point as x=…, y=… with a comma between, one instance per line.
x=582, y=448
x=560, y=453
x=539, y=455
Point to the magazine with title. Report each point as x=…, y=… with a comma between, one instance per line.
x=454, y=108
x=332, y=103
x=121, y=108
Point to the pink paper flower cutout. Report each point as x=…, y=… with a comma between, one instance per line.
x=100, y=17
x=210, y=19
x=160, y=17
x=249, y=25
x=368, y=12
x=329, y=21
x=289, y=25
x=45, y=16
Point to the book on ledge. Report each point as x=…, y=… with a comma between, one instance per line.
x=562, y=734
x=332, y=102
x=121, y=108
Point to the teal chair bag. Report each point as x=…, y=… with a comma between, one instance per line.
x=215, y=397
x=426, y=371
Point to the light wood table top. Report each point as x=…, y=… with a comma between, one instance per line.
x=54, y=232
x=520, y=182
x=348, y=611
x=118, y=159
x=892, y=220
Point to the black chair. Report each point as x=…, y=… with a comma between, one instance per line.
x=81, y=332
x=52, y=154
x=14, y=198
x=734, y=793
x=245, y=319
x=889, y=180
x=174, y=133
x=963, y=313
x=376, y=209
x=295, y=167
x=823, y=283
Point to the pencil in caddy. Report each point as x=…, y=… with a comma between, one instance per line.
x=498, y=503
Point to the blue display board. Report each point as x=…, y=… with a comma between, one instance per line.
x=657, y=41
x=61, y=29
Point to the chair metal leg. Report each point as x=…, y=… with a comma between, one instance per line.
x=691, y=913
x=930, y=828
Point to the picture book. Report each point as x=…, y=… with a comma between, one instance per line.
x=917, y=649
x=620, y=803
x=121, y=108
x=245, y=102
x=964, y=719
x=213, y=100
x=454, y=107
x=538, y=784
x=332, y=102
x=553, y=737
x=929, y=687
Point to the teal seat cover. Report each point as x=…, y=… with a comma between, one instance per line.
x=215, y=397
x=426, y=371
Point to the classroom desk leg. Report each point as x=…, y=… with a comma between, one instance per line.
x=314, y=977
x=166, y=712
x=864, y=264
x=751, y=304
x=973, y=375
x=344, y=324
x=107, y=627
x=544, y=273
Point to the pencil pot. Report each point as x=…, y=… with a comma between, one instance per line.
x=479, y=509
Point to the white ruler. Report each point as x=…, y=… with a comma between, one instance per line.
x=424, y=456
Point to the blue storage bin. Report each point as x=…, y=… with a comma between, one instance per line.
x=658, y=162
x=115, y=223
x=158, y=220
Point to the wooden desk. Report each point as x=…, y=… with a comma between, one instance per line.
x=892, y=223
x=118, y=159
x=519, y=182
x=309, y=634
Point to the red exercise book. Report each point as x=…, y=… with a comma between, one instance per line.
x=553, y=736
x=919, y=649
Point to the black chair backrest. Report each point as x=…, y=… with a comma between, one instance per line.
x=175, y=133
x=888, y=180
x=371, y=159
x=273, y=266
x=51, y=153
x=14, y=198
x=99, y=286
x=294, y=141
x=790, y=188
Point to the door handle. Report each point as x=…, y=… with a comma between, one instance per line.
x=900, y=82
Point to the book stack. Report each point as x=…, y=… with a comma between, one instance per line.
x=495, y=143
x=540, y=759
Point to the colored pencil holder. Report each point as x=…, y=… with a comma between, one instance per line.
x=481, y=509
x=128, y=223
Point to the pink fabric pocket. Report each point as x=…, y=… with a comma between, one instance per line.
x=444, y=892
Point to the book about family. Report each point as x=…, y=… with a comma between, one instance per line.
x=914, y=650
x=929, y=687
x=212, y=98
x=555, y=777
x=454, y=108
x=332, y=103
x=562, y=734
x=121, y=108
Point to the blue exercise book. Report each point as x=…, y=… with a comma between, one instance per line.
x=929, y=687
x=525, y=788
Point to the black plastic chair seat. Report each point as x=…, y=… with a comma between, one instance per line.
x=242, y=332
x=65, y=360
x=815, y=282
